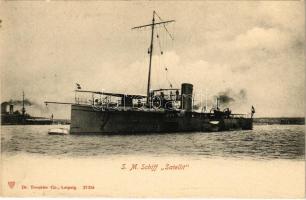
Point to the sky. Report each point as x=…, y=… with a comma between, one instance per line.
x=250, y=47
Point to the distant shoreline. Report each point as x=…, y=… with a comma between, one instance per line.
x=280, y=120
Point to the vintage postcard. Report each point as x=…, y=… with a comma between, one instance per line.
x=153, y=99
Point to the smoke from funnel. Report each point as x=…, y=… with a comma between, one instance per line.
x=229, y=96
x=225, y=99
x=19, y=102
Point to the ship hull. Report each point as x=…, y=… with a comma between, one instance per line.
x=15, y=119
x=86, y=120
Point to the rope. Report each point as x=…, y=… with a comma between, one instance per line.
x=165, y=45
x=165, y=26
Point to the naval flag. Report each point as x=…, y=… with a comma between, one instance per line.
x=78, y=86
x=253, y=109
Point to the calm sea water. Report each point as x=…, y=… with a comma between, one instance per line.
x=264, y=142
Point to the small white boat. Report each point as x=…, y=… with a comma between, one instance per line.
x=58, y=131
x=214, y=122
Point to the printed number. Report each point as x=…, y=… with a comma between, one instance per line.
x=88, y=187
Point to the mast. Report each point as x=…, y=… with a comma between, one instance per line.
x=217, y=103
x=151, y=49
x=23, y=108
x=150, y=62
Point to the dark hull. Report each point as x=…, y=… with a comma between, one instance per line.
x=86, y=120
x=13, y=119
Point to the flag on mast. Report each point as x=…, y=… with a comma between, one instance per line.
x=78, y=86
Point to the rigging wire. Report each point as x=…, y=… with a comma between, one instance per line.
x=163, y=47
x=162, y=64
x=165, y=44
x=159, y=52
x=160, y=49
x=165, y=26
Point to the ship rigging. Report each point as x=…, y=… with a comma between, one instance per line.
x=152, y=25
